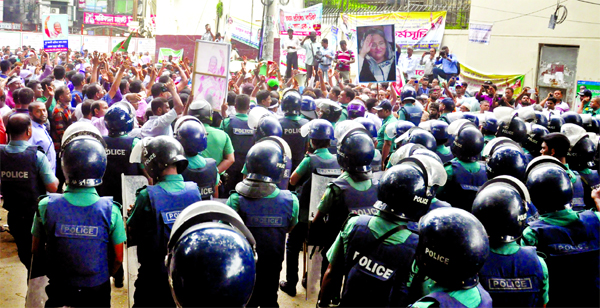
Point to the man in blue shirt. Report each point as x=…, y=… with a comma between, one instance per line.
x=39, y=135
x=449, y=65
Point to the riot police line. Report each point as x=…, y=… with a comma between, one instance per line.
x=466, y=211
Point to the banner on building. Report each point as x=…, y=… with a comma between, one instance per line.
x=106, y=19
x=245, y=32
x=164, y=53
x=593, y=86
x=302, y=21
x=480, y=33
x=475, y=79
x=421, y=30
x=56, y=32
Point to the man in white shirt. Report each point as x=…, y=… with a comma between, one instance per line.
x=291, y=44
x=409, y=64
x=99, y=108
x=428, y=60
x=160, y=123
x=208, y=36
x=146, y=58
x=309, y=45
x=326, y=59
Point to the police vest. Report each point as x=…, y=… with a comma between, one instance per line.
x=573, y=253
x=514, y=280
x=118, y=151
x=461, y=190
x=376, y=278
x=592, y=180
x=21, y=184
x=578, y=203
x=376, y=163
x=242, y=139
x=532, y=213
x=78, y=238
x=205, y=178
x=412, y=113
x=319, y=166
x=291, y=135
x=269, y=221
x=166, y=206
x=285, y=179
x=358, y=202
x=444, y=300
x=332, y=147
x=444, y=157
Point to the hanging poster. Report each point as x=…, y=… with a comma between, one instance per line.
x=245, y=32
x=164, y=53
x=302, y=21
x=480, y=33
x=475, y=79
x=55, y=32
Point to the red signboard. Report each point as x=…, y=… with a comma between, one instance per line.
x=105, y=19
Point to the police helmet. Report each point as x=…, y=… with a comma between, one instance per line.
x=467, y=143
x=496, y=143
x=369, y=125
x=211, y=259
x=439, y=130
x=356, y=109
x=329, y=110
x=549, y=184
x=533, y=143
x=581, y=155
x=119, y=119
x=268, y=125
x=594, y=126
x=308, y=107
x=513, y=128
x=81, y=129
x=507, y=160
x=408, y=94
x=406, y=189
x=201, y=109
x=190, y=132
x=490, y=126
x=266, y=162
x=471, y=117
x=419, y=136
x=526, y=114
x=573, y=132
x=411, y=149
x=83, y=161
x=541, y=119
x=290, y=102
x=355, y=152
x=398, y=128
x=160, y=152
x=555, y=123
x=501, y=206
x=572, y=117
x=453, y=246
x=317, y=129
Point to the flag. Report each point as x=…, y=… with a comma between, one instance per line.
x=123, y=45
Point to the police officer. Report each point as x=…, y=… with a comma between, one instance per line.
x=514, y=128
x=308, y=108
x=533, y=143
x=202, y=171
x=489, y=129
x=465, y=173
x=291, y=123
x=555, y=123
x=268, y=125
x=370, y=126
x=330, y=111
x=409, y=111
x=453, y=246
x=514, y=276
x=156, y=208
x=376, y=253
x=446, y=108
x=211, y=259
x=384, y=141
x=580, y=158
x=320, y=162
x=439, y=130
x=236, y=127
x=26, y=175
x=356, y=109
x=119, y=122
x=79, y=227
x=564, y=236
x=572, y=117
x=505, y=157
x=419, y=136
x=269, y=213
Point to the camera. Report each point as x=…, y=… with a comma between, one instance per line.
x=442, y=54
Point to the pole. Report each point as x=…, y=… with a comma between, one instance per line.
x=135, y=10
x=269, y=31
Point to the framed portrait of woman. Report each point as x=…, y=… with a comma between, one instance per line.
x=376, y=53
x=211, y=72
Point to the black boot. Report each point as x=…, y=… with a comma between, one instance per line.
x=287, y=288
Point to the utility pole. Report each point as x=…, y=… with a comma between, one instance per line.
x=135, y=10
x=269, y=31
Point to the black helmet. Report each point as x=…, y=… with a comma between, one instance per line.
x=211, y=259
x=329, y=110
x=406, y=189
x=471, y=117
x=291, y=102
x=489, y=126
x=572, y=117
x=318, y=129
x=507, y=160
x=501, y=206
x=398, y=128
x=268, y=125
x=83, y=155
x=408, y=94
x=587, y=123
x=201, y=110
x=468, y=143
x=190, y=132
x=160, y=152
x=411, y=149
x=439, y=130
x=496, y=143
x=555, y=123
x=541, y=119
x=266, y=162
x=533, y=143
x=581, y=155
x=549, y=184
x=419, y=136
x=308, y=107
x=119, y=119
x=453, y=246
x=513, y=128
x=527, y=114
x=355, y=151
x=369, y=125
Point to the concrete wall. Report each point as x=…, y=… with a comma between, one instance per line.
x=515, y=43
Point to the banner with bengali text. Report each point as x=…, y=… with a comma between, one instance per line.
x=245, y=32
x=302, y=21
x=106, y=19
x=476, y=78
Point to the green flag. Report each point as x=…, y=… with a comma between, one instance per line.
x=123, y=45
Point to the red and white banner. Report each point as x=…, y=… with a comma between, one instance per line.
x=107, y=20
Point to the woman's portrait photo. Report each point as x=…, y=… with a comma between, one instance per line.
x=376, y=53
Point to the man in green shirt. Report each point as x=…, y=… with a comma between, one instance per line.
x=585, y=96
x=344, y=99
x=594, y=107
x=384, y=142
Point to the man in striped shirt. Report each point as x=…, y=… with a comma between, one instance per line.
x=344, y=58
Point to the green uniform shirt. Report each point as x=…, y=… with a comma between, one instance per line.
x=81, y=196
x=304, y=167
x=378, y=227
x=44, y=99
x=333, y=193
x=559, y=218
x=470, y=298
x=344, y=115
x=41, y=161
x=226, y=121
x=234, y=203
x=487, y=138
x=442, y=149
x=588, y=110
x=470, y=167
x=218, y=144
x=381, y=136
x=197, y=162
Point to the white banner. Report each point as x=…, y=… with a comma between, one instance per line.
x=146, y=45
x=245, y=32
x=302, y=21
x=97, y=43
x=480, y=33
